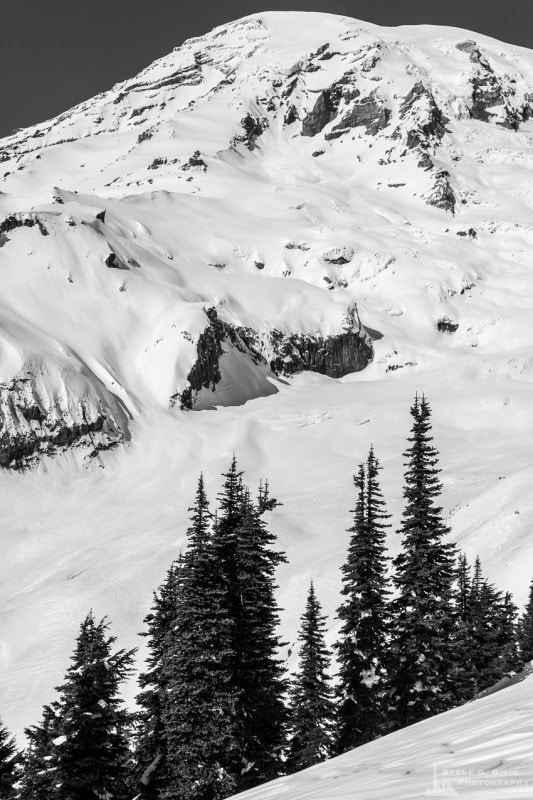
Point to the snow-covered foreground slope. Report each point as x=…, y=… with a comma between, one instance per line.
x=481, y=751
x=301, y=220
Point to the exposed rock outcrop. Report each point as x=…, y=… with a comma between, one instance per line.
x=370, y=113
x=338, y=255
x=42, y=412
x=321, y=114
x=446, y=325
x=442, y=194
x=334, y=356
x=252, y=127
x=492, y=96
x=284, y=354
x=425, y=119
x=14, y=221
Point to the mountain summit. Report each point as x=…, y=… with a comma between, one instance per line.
x=269, y=198
x=299, y=220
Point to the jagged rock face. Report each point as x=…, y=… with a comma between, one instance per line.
x=253, y=127
x=442, y=195
x=320, y=115
x=369, y=113
x=429, y=121
x=335, y=356
x=283, y=355
x=44, y=410
x=280, y=170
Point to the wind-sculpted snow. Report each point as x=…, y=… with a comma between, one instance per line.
x=299, y=221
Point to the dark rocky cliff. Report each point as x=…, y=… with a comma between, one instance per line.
x=284, y=354
x=33, y=423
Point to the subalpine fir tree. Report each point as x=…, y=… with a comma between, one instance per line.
x=91, y=752
x=198, y=710
x=9, y=759
x=525, y=631
x=507, y=645
x=492, y=635
x=39, y=778
x=248, y=563
x=311, y=695
x=421, y=663
x=150, y=768
x=463, y=669
x=361, y=649
x=221, y=709
x=464, y=588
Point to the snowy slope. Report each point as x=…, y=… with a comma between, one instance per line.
x=481, y=751
x=287, y=193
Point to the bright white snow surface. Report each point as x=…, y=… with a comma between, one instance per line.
x=481, y=751
x=76, y=536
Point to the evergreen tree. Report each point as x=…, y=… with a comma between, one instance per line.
x=463, y=669
x=507, y=645
x=150, y=757
x=39, y=777
x=485, y=639
x=199, y=708
x=362, y=647
x=213, y=691
x=311, y=703
x=493, y=633
x=9, y=759
x=464, y=588
x=421, y=664
x=258, y=670
x=91, y=751
x=525, y=631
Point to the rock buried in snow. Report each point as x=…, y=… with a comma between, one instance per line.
x=112, y=261
x=338, y=255
x=446, y=325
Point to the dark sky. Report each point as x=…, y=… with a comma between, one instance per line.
x=55, y=53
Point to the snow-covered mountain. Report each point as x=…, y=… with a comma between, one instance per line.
x=299, y=219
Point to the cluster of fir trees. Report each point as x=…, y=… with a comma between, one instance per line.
x=213, y=718
x=427, y=634
x=217, y=714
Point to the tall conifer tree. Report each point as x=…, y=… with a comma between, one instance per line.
x=39, y=778
x=361, y=648
x=508, y=648
x=221, y=707
x=463, y=670
x=246, y=551
x=91, y=752
x=525, y=631
x=9, y=759
x=150, y=767
x=199, y=708
x=493, y=651
x=311, y=695
x=421, y=664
